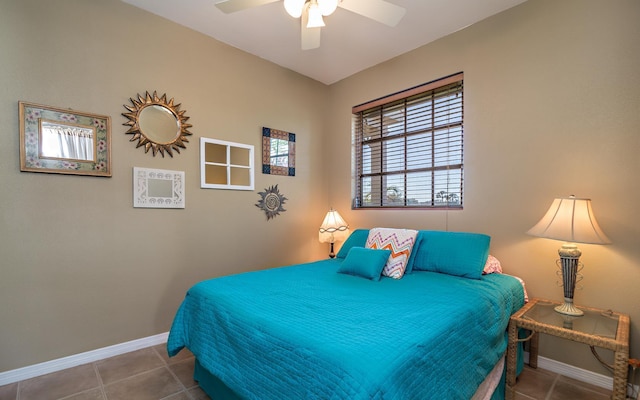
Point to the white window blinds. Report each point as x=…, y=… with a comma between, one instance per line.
x=409, y=148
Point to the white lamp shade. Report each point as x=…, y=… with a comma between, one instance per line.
x=571, y=220
x=333, y=228
x=294, y=7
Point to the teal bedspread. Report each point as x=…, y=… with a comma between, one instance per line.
x=308, y=332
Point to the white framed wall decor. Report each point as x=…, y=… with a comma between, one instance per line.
x=226, y=165
x=158, y=188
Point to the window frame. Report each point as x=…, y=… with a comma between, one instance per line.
x=445, y=142
x=231, y=167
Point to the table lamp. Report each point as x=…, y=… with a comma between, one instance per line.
x=571, y=220
x=333, y=229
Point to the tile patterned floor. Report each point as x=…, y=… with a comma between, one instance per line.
x=148, y=374
x=538, y=384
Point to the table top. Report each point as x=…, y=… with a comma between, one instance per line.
x=603, y=328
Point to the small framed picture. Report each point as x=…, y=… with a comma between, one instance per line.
x=158, y=188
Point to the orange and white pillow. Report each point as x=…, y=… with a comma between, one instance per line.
x=399, y=241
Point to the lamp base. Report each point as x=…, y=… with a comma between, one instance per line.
x=568, y=308
x=569, y=264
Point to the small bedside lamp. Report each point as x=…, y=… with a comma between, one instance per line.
x=333, y=229
x=571, y=220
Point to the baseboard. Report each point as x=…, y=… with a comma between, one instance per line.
x=576, y=373
x=59, y=364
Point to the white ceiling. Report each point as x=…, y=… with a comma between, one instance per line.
x=349, y=42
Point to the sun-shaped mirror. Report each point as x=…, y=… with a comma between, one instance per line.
x=157, y=124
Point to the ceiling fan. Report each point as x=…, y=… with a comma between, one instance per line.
x=311, y=12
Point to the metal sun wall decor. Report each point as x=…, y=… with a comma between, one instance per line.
x=157, y=124
x=271, y=202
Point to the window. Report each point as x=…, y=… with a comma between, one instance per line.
x=408, y=148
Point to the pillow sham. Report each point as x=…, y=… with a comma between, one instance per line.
x=365, y=263
x=455, y=253
x=492, y=266
x=358, y=238
x=399, y=242
x=415, y=250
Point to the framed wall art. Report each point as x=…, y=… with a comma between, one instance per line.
x=158, y=188
x=226, y=165
x=157, y=124
x=278, y=152
x=64, y=141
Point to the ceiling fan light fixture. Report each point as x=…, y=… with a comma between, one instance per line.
x=315, y=16
x=294, y=7
x=327, y=7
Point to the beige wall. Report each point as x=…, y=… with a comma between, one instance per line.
x=81, y=268
x=552, y=108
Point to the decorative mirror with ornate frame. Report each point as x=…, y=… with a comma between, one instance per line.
x=157, y=124
x=278, y=152
x=64, y=141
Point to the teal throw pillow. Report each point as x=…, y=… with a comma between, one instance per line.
x=366, y=263
x=454, y=253
x=358, y=238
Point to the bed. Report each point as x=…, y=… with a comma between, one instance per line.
x=321, y=330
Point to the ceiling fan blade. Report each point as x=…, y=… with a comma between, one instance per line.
x=310, y=37
x=231, y=6
x=377, y=10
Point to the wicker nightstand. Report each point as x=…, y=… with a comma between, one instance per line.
x=596, y=328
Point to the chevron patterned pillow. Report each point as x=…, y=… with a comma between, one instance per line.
x=399, y=241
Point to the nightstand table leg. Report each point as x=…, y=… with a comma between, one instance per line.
x=621, y=368
x=512, y=355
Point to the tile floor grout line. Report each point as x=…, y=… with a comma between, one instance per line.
x=153, y=348
x=100, y=381
x=136, y=375
x=522, y=395
x=77, y=393
x=552, y=388
x=159, y=355
x=173, y=394
x=184, y=388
